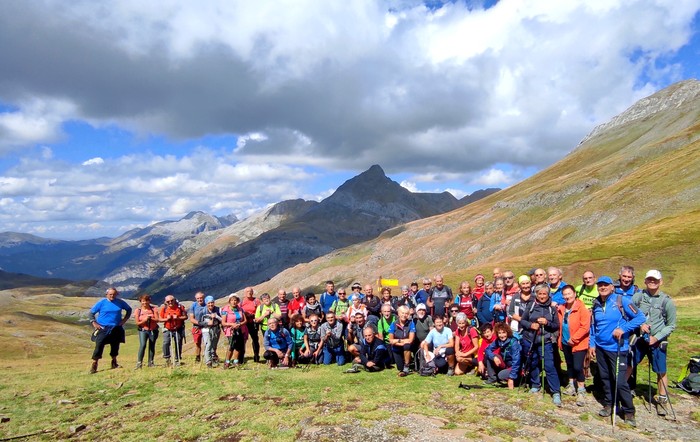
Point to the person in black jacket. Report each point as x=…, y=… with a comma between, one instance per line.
x=540, y=321
x=373, y=353
x=483, y=307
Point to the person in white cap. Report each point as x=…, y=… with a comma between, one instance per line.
x=660, y=312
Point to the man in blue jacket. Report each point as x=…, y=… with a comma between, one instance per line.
x=614, y=318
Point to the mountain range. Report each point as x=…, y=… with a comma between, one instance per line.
x=201, y=251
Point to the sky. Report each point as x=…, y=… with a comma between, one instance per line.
x=117, y=114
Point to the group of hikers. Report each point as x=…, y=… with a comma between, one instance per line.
x=509, y=331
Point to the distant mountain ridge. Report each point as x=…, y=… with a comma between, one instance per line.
x=219, y=253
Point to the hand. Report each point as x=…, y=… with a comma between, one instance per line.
x=617, y=334
x=570, y=343
x=591, y=353
x=653, y=341
x=97, y=326
x=497, y=360
x=535, y=326
x=481, y=367
x=542, y=321
x=645, y=328
x=370, y=364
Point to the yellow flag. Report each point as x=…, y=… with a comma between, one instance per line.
x=388, y=282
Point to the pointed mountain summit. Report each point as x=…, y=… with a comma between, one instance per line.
x=360, y=209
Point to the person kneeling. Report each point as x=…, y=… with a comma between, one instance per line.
x=441, y=340
x=503, y=357
x=374, y=355
x=277, y=343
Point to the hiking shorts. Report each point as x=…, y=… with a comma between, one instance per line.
x=197, y=336
x=656, y=355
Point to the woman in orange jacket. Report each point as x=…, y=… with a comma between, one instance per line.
x=575, y=324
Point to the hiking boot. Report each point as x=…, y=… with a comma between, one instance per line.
x=256, y=358
x=661, y=402
x=209, y=365
x=570, y=390
x=490, y=381
x=403, y=374
x=227, y=365
x=629, y=420
x=556, y=399
x=535, y=390
x=197, y=359
x=450, y=372
x=168, y=362
x=138, y=366
x=93, y=367
x=115, y=364
x=605, y=411
x=581, y=397
x=151, y=364
x=177, y=363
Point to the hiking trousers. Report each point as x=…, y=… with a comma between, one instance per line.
x=606, y=368
x=113, y=336
x=172, y=335
x=536, y=364
x=210, y=337
x=147, y=338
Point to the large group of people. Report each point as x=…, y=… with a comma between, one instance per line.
x=509, y=330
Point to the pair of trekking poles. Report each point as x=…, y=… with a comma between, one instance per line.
x=525, y=372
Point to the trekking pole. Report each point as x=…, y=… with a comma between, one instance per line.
x=528, y=361
x=649, y=386
x=177, y=347
x=542, y=371
x=668, y=396
x=617, y=373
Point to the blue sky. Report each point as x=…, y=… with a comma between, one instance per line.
x=114, y=121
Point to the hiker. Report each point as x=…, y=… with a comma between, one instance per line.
x=266, y=311
x=613, y=319
x=146, y=318
x=519, y=304
x=195, y=313
x=282, y=303
x=250, y=304
x=313, y=337
x=328, y=297
x=386, y=298
x=108, y=322
x=236, y=330
x=277, y=343
x=555, y=277
x=356, y=288
x=210, y=323
x=311, y=308
x=405, y=299
x=373, y=303
x=539, y=276
x=483, y=307
x=588, y=291
x=423, y=294
x=487, y=337
x=340, y=308
x=173, y=315
x=300, y=340
x=503, y=357
x=466, y=345
x=296, y=305
x=625, y=285
x=401, y=335
x=332, y=340
x=510, y=288
x=466, y=302
x=479, y=289
x=373, y=354
x=451, y=322
x=540, y=322
x=574, y=332
x=497, y=274
x=357, y=307
x=388, y=318
x=355, y=334
x=441, y=342
x=423, y=323
x=440, y=298
x=497, y=304
x=660, y=312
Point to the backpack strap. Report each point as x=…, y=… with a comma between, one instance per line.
x=621, y=308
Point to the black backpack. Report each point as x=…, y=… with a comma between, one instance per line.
x=690, y=378
x=425, y=368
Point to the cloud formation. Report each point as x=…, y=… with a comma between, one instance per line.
x=478, y=96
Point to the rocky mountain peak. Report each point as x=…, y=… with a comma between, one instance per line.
x=669, y=98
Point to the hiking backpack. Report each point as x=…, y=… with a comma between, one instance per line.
x=425, y=368
x=690, y=378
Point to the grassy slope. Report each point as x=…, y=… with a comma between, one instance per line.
x=50, y=389
x=627, y=196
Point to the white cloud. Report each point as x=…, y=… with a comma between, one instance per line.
x=93, y=161
x=494, y=177
x=409, y=185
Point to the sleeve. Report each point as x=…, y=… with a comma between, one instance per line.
x=412, y=327
x=591, y=339
x=525, y=317
x=553, y=325
x=258, y=312
x=494, y=301
x=429, y=338
x=95, y=309
x=288, y=338
x=338, y=330
x=266, y=340
x=515, y=368
x=584, y=326
x=392, y=328
x=670, y=321
x=125, y=305
x=637, y=318
x=380, y=354
x=490, y=349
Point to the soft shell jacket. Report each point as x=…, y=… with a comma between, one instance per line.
x=579, y=325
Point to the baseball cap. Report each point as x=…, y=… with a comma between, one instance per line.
x=604, y=280
x=653, y=274
x=421, y=306
x=209, y=299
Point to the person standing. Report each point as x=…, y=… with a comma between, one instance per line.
x=147, y=323
x=210, y=323
x=588, y=291
x=250, y=304
x=173, y=315
x=660, y=312
x=195, y=313
x=440, y=298
x=574, y=331
x=328, y=297
x=555, y=277
x=613, y=319
x=283, y=304
x=107, y=320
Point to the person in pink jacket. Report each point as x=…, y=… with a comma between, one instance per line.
x=575, y=324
